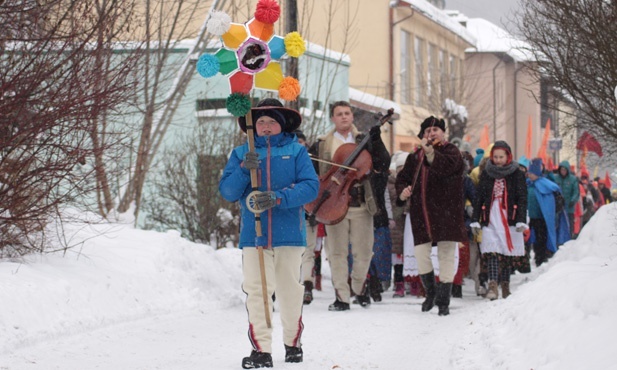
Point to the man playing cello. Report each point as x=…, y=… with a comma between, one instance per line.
x=357, y=226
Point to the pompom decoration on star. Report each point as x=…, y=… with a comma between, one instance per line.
x=238, y=104
x=208, y=65
x=218, y=23
x=289, y=89
x=268, y=11
x=250, y=56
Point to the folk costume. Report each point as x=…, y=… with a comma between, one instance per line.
x=501, y=211
x=357, y=226
x=399, y=213
x=436, y=212
x=285, y=172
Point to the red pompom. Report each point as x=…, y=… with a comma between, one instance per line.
x=268, y=11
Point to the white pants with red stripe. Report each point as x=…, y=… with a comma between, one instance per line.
x=282, y=266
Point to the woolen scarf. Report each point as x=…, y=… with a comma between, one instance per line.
x=499, y=172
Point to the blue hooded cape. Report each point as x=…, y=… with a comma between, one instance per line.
x=558, y=230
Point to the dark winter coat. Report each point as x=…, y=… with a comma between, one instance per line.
x=398, y=215
x=516, y=186
x=379, y=182
x=436, y=206
x=469, y=194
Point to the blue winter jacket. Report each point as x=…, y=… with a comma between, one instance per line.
x=286, y=169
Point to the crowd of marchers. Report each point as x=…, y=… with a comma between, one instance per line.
x=415, y=223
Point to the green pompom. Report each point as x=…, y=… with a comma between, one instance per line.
x=238, y=104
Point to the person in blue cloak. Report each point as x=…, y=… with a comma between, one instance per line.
x=549, y=225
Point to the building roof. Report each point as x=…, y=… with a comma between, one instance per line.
x=371, y=102
x=442, y=18
x=494, y=39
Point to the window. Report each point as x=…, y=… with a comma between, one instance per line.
x=443, y=77
x=405, y=75
x=317, y=105
x=453, y=79
x=431, y=75
x=207, y=104
x=419, y=72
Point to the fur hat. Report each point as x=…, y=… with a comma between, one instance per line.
x=289, y=119
x=535, y=167
x=430, y=122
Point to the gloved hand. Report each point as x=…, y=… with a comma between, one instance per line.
x=375, y=133
x=475, y=228
x=312, y=220
x=265, y=200
x=251, y=160
x=520, y=227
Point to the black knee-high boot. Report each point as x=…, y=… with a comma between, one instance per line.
x=428, y=280
x=442, y=300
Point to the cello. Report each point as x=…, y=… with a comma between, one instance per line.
x=332, y=202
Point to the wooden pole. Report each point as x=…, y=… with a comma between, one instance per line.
x=258, y=232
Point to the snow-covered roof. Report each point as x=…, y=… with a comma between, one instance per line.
x=494, y=39
x=442, y=18
x=373, y=101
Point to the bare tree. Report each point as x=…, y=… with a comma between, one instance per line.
x=185, y=195
x=51, y=90
x=163, y=81
x=574, y=43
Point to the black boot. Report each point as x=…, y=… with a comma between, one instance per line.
x=442, y=300
x=428, y=281
x=457, y=291
x=364, y=298
x=293, y=354
x=375, y=288
x=257, y=360
x=308, y=292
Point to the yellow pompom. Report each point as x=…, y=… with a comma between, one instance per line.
x=289, y=89
x=294, y=44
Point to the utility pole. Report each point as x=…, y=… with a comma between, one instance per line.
x=291, y=24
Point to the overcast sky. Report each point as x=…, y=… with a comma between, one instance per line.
x=499, y=12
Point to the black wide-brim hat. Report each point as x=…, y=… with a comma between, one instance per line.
x=289, y=119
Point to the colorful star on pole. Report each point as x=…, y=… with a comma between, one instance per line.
x=250, y=56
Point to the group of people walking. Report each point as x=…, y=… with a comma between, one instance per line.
x=483, y=223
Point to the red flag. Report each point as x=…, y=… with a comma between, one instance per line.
x=484, y=139
x=587, y=141
x=528, y=142
x=544, y=145
x=583, y=163
x=607, y=180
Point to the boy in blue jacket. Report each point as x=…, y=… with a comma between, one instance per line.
x=287, y=181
